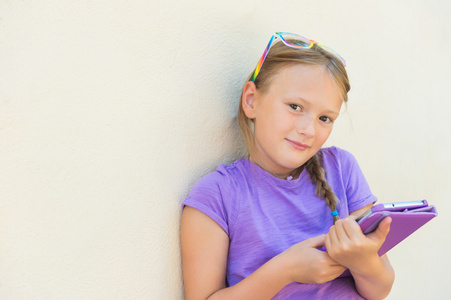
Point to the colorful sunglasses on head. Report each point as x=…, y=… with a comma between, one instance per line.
x=296, y=41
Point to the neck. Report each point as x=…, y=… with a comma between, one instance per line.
x=288, y=175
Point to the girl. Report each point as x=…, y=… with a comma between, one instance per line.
x=253, y=229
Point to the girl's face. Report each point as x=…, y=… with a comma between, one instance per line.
x=293, y=118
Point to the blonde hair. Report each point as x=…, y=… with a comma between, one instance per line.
x=279, y=57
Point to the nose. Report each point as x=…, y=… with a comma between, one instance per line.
x=306, y=126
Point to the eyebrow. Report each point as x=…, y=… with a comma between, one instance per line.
x=329, y=111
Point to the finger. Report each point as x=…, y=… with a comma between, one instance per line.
x=382, y=230
x=316, y=241
x=342, y=235
x=328, y=243
x=385, y=225
x=333, y=238
x=352, y=228
x=353, y=217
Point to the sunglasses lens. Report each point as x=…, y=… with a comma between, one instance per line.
x=295, y=40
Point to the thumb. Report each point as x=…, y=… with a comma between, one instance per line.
x=382, y=230
x=316, y=241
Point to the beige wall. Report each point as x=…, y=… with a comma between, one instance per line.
x=111, y=110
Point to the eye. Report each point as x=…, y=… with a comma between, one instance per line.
x=296, y=107
x=326, y=119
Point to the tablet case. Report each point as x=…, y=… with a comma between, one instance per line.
x=404, y=223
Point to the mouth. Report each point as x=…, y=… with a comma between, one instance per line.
x=297, y=145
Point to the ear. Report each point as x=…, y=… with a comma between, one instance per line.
x=248, y=99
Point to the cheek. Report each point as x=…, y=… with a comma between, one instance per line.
x=323, y=135
x=277, y=122
x=286, y=121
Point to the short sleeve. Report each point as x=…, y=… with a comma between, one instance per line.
x=208, y=195
x=358, y=192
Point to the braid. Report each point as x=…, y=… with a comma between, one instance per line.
x=318, y=177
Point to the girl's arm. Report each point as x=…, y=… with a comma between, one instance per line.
x=204, y=253
x=347, y=245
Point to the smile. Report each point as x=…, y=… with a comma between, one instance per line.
x=298, y=146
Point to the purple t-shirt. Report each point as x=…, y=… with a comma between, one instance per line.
x=264, y=215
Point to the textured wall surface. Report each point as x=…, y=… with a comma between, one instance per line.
x=111, y=110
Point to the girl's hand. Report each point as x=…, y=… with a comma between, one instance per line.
x=306, y=264
x=348, y=246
